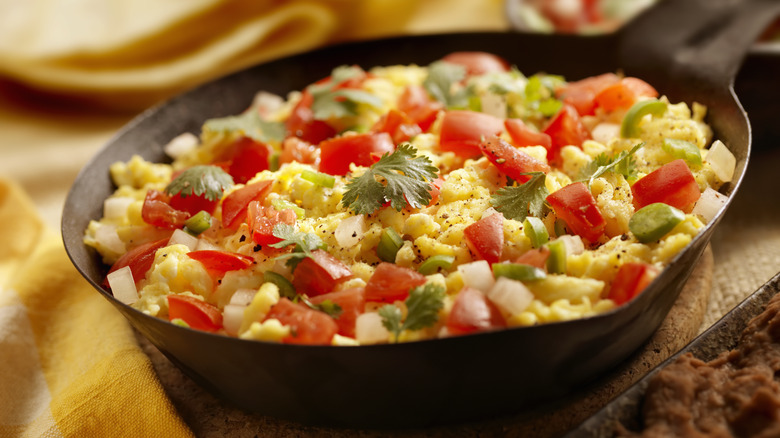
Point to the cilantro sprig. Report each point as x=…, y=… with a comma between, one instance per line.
x=422, y=310
x=520, y=201
x=330, y=101
x=249, y=124
x=210, y=181
x=327, y=306
x=442, y=76
x=304, y=243
x=401, y=177
x=622, y=163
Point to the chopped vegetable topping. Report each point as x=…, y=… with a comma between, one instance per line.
x=249, y=124
x=622, y=163
x=210, y=181
x=422, y=310
x=520, y=201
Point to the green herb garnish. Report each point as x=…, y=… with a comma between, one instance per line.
x=402, y=178
x=442, y=76
x=422, y=310
x=304, y=243
x=329, y=101
x=327, y=306
x=521, y=201
x=249, y=124
x=622, y=163
x=209, y=181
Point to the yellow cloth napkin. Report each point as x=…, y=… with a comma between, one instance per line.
x=70, y=366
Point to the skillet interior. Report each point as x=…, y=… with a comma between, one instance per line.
x=406, y=385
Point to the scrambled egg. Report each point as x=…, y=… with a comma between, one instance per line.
x=465, y=197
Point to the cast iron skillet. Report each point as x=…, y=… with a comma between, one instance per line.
x=690, y=50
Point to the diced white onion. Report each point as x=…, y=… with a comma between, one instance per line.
x=605, y=132
x=489, y=212
x=573, y=244
x=181, y=237
x=243, y=296
x=232, y=317
x=123, y=285
x=280, y=267
x=181, y=144
x=107, y=237
x=722, y=161
x=204, y=245
x=709, y=204
x=510, y=296
x=478, y=275
x=267, y=103
x=115, y=208
x=369, y=329
x=493, y=104
x=350, y=231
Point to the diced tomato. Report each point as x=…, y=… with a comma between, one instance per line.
x=462, y=131
x=630, y=280
x=536, y=257
x=673, y=184
x=198, y=314
x=511, y=161
x=338, y=153
x=391, y=282
x=307, y=326
x=523, y=136
x=295, y=149
x=581, y=94
x=262, y=220
x=193, y=204
x=139, y=259
x=352, y=302
x=623, y=94
x=245, y=157
x=485, y=237
x=319, y=273
x=235, y=204
x=157, y=211
x=565, y=129
x=577, y=207
x=472, y=312
x=435, y=191
x=400, y=127
x=220, y=262
x=303, y=125
x=478, y=63
x=419, y=107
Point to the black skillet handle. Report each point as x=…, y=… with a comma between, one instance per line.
x=695, y=40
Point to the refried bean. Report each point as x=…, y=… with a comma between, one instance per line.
x=736, y=394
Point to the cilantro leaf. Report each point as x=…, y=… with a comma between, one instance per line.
x=528, y=199
x=422, y=310
x=249, y=124
x=442, y=76
x=327, y=306
x=210, y=181
x=407, y=181
x=622, y=163
x=505, y=82
x=304, y=243
x=332, y=102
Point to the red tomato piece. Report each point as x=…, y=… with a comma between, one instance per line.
x=577, y=207
x=220, y=262
x=630, y=280
x=536, y=257
x=246, y=158
x=581, y=94
x=462, y=131
x=193, y=204
x=473, y=312
x=139, y=259
x=485, y=237
x=623, y=94
x=235, y=204
x=400, y=127
x=303, y=125
x=307, y=326
x=352, y=302
x=673, y=184
x=157, y=211
x=262, y=220
x=319, y=273
x=511, y=161
x=419, y=107
x=391, y=282
x=338, y=153
x=295, y=149
x=565, y=129
x=523, y=136
x=478, y=63
x=198, y=314
x=435, y=191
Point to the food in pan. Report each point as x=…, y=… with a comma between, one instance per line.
x=413, y=202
